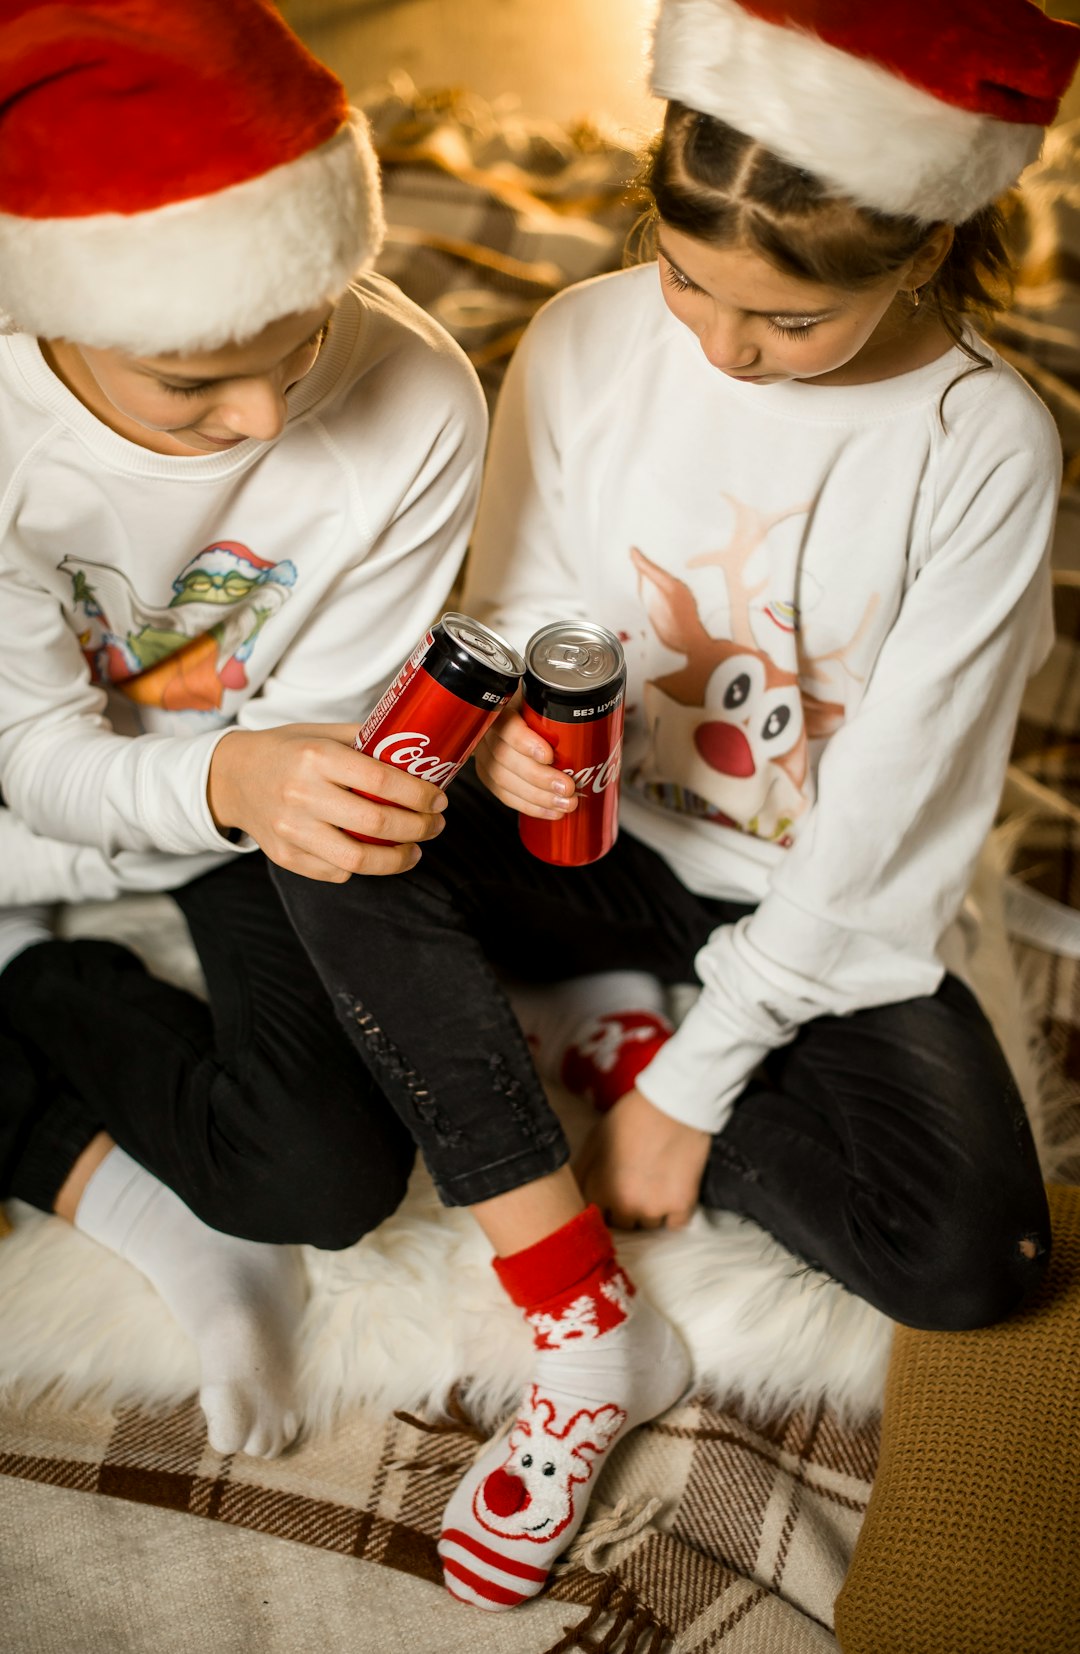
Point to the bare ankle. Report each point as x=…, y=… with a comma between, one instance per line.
x=523, y=1216
x=67, y=1201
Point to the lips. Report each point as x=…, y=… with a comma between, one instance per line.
x=221, y=441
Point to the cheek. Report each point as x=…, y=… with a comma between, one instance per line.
x=829, y=347
x=161, y=412
x=681, y=305
x=139, y=399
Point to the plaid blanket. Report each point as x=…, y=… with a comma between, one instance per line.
x=707, y=1531
x=1040, y=335
x=488, y=217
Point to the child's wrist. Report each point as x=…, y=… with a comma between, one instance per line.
x=220, y=795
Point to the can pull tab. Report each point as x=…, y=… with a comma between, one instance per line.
x=580, y=658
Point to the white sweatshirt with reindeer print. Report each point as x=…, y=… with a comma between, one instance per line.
x=830, y=598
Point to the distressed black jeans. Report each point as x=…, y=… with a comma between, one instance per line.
x=253, y=1107
x=888, y=1148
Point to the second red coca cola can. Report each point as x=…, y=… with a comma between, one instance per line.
x=448, y=693
x=574, y=689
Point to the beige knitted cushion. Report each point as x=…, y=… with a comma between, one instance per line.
x=971, y=1543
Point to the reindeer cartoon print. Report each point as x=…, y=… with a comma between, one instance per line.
x=530, y=1495
x=732, y=726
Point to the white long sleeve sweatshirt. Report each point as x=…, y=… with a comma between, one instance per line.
x=830, y=600
x=149, y=603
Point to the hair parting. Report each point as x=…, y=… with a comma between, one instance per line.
x=724, y=188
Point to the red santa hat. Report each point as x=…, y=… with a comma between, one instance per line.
x=926, y=108
x=173, y=176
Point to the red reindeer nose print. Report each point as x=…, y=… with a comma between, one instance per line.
x=724, y=747
x=505, y=1494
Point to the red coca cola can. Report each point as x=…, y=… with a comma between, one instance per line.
x=574, y=689
x=448, y=693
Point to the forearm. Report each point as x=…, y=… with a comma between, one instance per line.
x=85, y=785
x=38, y=869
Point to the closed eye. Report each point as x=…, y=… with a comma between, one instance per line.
x=793, y=329
x=200, y=387
x=675, y=278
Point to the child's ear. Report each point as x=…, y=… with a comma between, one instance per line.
x=931, y=255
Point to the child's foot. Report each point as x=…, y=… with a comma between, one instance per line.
x=594, y=1034
x=609, y=1052
x=238, y=1300
x=608, y=1361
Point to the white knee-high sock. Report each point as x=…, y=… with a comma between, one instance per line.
x=238, y=1300
x=20, y=928
x=606, y=1361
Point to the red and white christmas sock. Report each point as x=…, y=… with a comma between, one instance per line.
x=606, y=1361
x=595, y=1034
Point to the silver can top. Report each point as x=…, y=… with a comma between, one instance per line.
x=483, y=644
x=574, y=655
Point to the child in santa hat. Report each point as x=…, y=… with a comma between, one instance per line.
x=239, y=469
x=781, y=464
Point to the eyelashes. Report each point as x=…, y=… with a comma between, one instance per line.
x=315, y=343
x=676, y=279
x=788, y=330
x=798, y=330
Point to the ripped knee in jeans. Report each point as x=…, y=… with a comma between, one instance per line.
x=388, y=1065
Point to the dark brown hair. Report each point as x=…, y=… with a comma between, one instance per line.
x=720, y=186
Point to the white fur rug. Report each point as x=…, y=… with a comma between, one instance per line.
x=413, y=1310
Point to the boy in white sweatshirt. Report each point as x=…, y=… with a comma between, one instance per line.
x=239, y=473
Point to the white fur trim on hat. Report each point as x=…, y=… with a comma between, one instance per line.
x=866, y=133
x=197, y=274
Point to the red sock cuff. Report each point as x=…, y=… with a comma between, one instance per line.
x=559, y=1262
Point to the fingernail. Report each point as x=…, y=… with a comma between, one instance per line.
x=539, y=753
x=417, y=852
x=440, y=802
x=561, y=786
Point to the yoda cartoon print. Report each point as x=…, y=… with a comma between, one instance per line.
x=729, y=731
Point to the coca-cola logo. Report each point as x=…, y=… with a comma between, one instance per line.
x=597, y=778
x=408, y=749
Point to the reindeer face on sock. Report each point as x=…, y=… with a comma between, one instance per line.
x=530, y=1496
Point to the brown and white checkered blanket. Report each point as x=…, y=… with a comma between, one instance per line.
x=707, y=1532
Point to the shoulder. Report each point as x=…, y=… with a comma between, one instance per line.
x=23, y=380
x=589, y=353
x=608, y=318
x=995, y=471
x=991, y=415
x=403, y=365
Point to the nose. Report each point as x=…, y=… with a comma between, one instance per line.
x=724, y=747
x=725, y=346
x=504, y=1494
x=257, y=408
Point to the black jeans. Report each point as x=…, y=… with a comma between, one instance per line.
x=253, y=1108
x=889, y=1148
